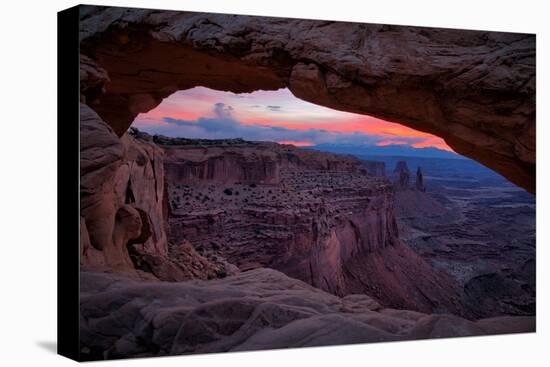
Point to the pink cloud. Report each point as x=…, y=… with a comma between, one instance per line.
x=296, y=143
x=280, y=109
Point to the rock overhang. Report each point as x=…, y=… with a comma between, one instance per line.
x=475, y=89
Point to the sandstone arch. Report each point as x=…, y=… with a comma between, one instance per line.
x=474, y=89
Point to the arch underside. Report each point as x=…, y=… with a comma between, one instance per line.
x=474, y=89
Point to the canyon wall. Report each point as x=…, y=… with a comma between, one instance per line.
x=374, y=168
x=314, y=216
x=475, y=89
x=223, y=166
x=235, y=160
x=323, y=221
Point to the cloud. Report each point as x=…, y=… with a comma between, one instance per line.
x=272, y=108
x=222, y=111
x=222, y=125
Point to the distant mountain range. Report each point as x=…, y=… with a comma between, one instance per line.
x=387, y=150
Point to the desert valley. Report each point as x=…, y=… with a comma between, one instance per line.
x=233, y=245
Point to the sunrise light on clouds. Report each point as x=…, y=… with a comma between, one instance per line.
x=273, y=116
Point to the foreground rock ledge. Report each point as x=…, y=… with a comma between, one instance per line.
x=258, y=309
x=474, y=89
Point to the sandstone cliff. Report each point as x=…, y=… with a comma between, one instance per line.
x=241, y=161
x=320, y=219
x=123, y=208
x=374, y=168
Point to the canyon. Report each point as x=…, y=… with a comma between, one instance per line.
x=195, y=245
x=168, y=206
x=249, y=245
x=477, y=227
x=314, y=216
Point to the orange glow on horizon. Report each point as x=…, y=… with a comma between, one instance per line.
x=277, y=109
x=369, y=125
x=296, y=143
x=435, y=144
x=173, y=113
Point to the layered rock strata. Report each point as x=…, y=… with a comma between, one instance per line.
x=320, y=219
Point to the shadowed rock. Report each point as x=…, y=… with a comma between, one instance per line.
x=375, y=168
x=419, y=183
x=401, y=175
x=259, y=309
x=122, y=215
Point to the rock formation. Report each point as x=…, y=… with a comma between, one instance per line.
x=244, y=162
x=123, y=219
x=313, y=215
x=101, y=156
x=258, y=309
x=374, y=168
x=480, y=231
x=474, y=89
x=419, y=183
x=165, y=209
x=401, y=176
x=320, y=219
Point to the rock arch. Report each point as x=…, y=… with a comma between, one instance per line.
x=475, y=89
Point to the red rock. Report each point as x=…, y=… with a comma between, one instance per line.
x=123, y=208
x=319, y=219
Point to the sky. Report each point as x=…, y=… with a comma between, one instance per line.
x=272, y=116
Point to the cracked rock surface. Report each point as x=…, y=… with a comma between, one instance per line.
x=258, y=309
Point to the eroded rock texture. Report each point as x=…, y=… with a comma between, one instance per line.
x=374, y=168
x=315, y=216
x=401, y=176
x=160, y=211
x=477, y=228
x=258, y=309
x=122, y=223
x=475, y=89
